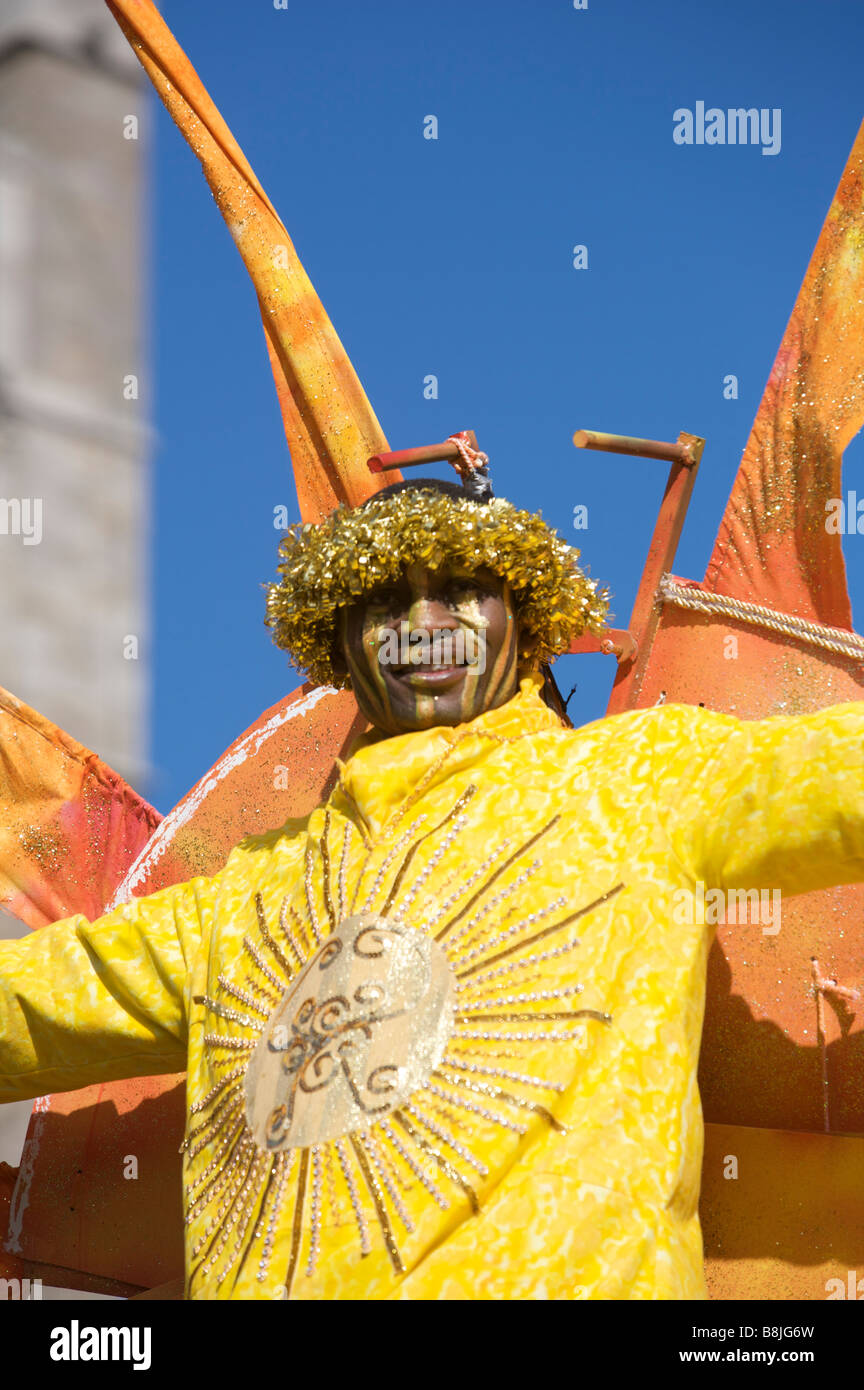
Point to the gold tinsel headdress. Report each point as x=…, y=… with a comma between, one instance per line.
x=329, y=566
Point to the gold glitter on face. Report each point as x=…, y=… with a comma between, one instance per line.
x=468, y=664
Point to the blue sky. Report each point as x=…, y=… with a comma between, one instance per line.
x=454, y=257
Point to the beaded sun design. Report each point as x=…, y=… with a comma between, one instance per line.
x=365, y=1052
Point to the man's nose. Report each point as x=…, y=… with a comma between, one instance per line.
x=428, y=612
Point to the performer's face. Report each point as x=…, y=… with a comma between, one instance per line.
x=436, y=647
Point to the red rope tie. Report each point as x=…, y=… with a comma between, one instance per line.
x=472, y=459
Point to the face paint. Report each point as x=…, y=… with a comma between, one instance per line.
x=409, y=649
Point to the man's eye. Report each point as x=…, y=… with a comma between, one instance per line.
x=384, y=598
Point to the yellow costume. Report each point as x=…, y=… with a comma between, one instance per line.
x=513, y=1017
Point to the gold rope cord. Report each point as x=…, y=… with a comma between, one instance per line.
x=832, y=639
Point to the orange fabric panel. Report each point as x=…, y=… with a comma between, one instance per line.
x=329, y=423
x=772, y=546
x=789, y=1222
x=99, y=1187
x=70, y=827
x=11, y=1266
x=280, y=768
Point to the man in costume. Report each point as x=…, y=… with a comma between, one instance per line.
x=442, y=1036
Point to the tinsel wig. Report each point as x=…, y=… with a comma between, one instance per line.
x=355, y=550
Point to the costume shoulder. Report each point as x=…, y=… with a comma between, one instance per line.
x=286, y=839
x=704, y=731
x=662, y=725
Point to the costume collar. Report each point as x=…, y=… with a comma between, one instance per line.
x=383, y=771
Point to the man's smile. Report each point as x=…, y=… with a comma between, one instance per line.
x=425, y=676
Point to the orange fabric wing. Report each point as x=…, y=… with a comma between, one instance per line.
x=70, y=827
x=330, y=426
x=773, y=547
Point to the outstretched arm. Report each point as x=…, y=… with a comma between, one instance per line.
x=773, y=803
x=82, y=1002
